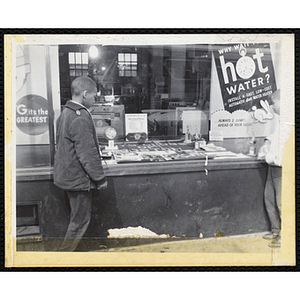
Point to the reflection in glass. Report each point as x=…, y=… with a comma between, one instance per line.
x=160, y=80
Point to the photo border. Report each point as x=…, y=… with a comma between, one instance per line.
x=169, y=263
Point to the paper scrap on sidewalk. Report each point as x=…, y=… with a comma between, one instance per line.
x=134, y=232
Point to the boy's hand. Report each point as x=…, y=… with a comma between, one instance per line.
x=102, y=186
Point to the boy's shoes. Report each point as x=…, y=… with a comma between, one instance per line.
x=276, y=243
x=270, y=236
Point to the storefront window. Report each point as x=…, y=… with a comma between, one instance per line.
x=212, y=91
x=163, y=82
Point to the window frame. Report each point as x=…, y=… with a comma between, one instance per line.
x=79, y=64
x=128, y=66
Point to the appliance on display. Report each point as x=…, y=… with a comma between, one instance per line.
x=110, y=133
x=194, y=123
x=109, y=121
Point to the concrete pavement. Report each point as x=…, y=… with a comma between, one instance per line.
x=253, y=243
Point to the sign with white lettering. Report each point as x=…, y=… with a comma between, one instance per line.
x=246, y=76
x=31, y=98
x=32, y=114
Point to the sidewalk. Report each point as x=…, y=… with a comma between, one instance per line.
x=234, y=244
x=253, y=243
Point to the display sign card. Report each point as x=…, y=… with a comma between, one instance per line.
x=246, y=76
x=232, y=125
x=136, y=126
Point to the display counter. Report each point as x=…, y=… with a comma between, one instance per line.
x=178, y=198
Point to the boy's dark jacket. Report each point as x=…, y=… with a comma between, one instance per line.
x=77, y=164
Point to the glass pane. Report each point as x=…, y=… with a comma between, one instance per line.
x=71, y=58
x=126, y=67
x=72, y=73
x=121, y=57
x=85, y=58
x=162, y=81
x=133, y=57
x=78, y=57
x=127, y=57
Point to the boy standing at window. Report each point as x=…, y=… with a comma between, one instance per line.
x=77, y=168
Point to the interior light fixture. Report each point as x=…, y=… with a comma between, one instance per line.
x=93, y=51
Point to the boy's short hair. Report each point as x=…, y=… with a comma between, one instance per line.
x=81, y=84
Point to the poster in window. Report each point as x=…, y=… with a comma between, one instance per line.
x=246, y=75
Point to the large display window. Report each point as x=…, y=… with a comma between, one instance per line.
x=161, y=81
x=188, y=93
